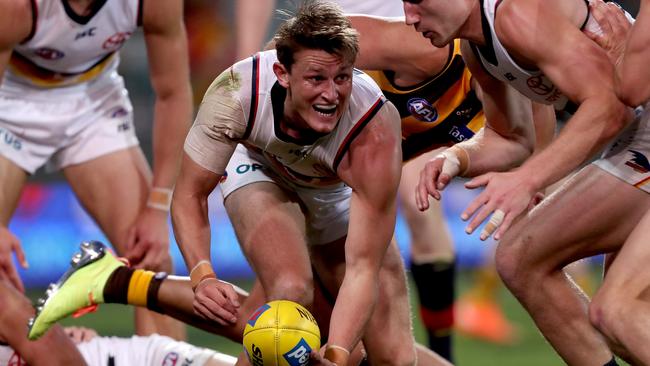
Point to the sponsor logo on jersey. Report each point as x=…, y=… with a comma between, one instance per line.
x=257, y=314
x=422, y=110
x=116, y=40
x=170, y=359
x=539, y=85
x=298, y=355
x=90, y=32
x=49, y=53
x=460, y=133
x=639, y=162
x=509, y=76
x=10, y=139
x=245, y=168
x=124, y=126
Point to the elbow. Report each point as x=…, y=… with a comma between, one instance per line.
x=618, y=117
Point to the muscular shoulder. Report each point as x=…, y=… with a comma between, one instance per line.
x=16, y=22
x=162, y=16
x=376, y=148
x=524, y=25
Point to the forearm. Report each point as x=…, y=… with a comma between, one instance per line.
x=191, y=227
x=631, y=86
x=354, y=305
x=488, y=151
x=172, y=115
x=590, y=129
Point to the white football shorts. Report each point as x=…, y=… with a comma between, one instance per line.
x=627, y=158
x=327, y=209
x=65, y=126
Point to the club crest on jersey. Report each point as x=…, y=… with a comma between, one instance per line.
x=256, y=315
x=422, y=110
x=639, y=162
x=170, y=359
x=49, y=53
x=298, y=355
x=116, y=40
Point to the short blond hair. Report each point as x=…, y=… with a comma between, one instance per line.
x=317, y=25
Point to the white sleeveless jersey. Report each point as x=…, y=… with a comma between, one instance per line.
x=262, y=99
x=65, y=48
x=496, y=60
x=153, y=350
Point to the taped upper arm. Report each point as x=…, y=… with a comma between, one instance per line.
x=219, y=123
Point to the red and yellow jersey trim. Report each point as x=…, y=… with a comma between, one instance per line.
x=42, y=77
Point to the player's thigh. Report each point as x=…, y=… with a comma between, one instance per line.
x=592, y=213
x=270, y=227
x=627, y=276
x=12, y=180
x=429, y=233
x=113, y=188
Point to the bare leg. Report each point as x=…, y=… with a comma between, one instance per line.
x=391, y=315
x=581, y=219
x=54, y=348
x=113, y=188
x=252, y=18
x=619, y=309
x=12, y=180
x=432, y=259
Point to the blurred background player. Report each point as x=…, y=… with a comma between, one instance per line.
x=63, y=104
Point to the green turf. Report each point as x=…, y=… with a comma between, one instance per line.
x=530, y=350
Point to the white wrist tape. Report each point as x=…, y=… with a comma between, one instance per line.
x=160, y=198
x=451, y=165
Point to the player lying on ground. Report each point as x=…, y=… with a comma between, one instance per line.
x=96, y=274
x=78, y=347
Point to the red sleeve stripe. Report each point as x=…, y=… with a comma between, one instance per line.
x=255, y=95
x=356, y=130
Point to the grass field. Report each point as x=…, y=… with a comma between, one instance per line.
x=530, y=350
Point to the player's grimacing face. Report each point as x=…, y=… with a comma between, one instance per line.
x=320, y=84
x=437, y=20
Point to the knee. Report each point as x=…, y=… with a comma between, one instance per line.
x=606, y=313
x=300, y=290
x=511, y=264
x=400, y=355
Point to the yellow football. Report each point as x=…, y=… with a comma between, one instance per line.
x=281, y=333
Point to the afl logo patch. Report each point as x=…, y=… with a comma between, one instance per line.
x=422, y=110
x=49, y=53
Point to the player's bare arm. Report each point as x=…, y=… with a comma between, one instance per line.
x=15, y=27
x=507, y=139
x=579, y=68
x=632, y=86
x=169, y=70
x=415, y=57
x=208, y=148
x=583, y=72
x=372, y=168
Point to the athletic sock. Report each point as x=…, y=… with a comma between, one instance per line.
x=612, y=362
x=435, y=285
x=134, y=287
